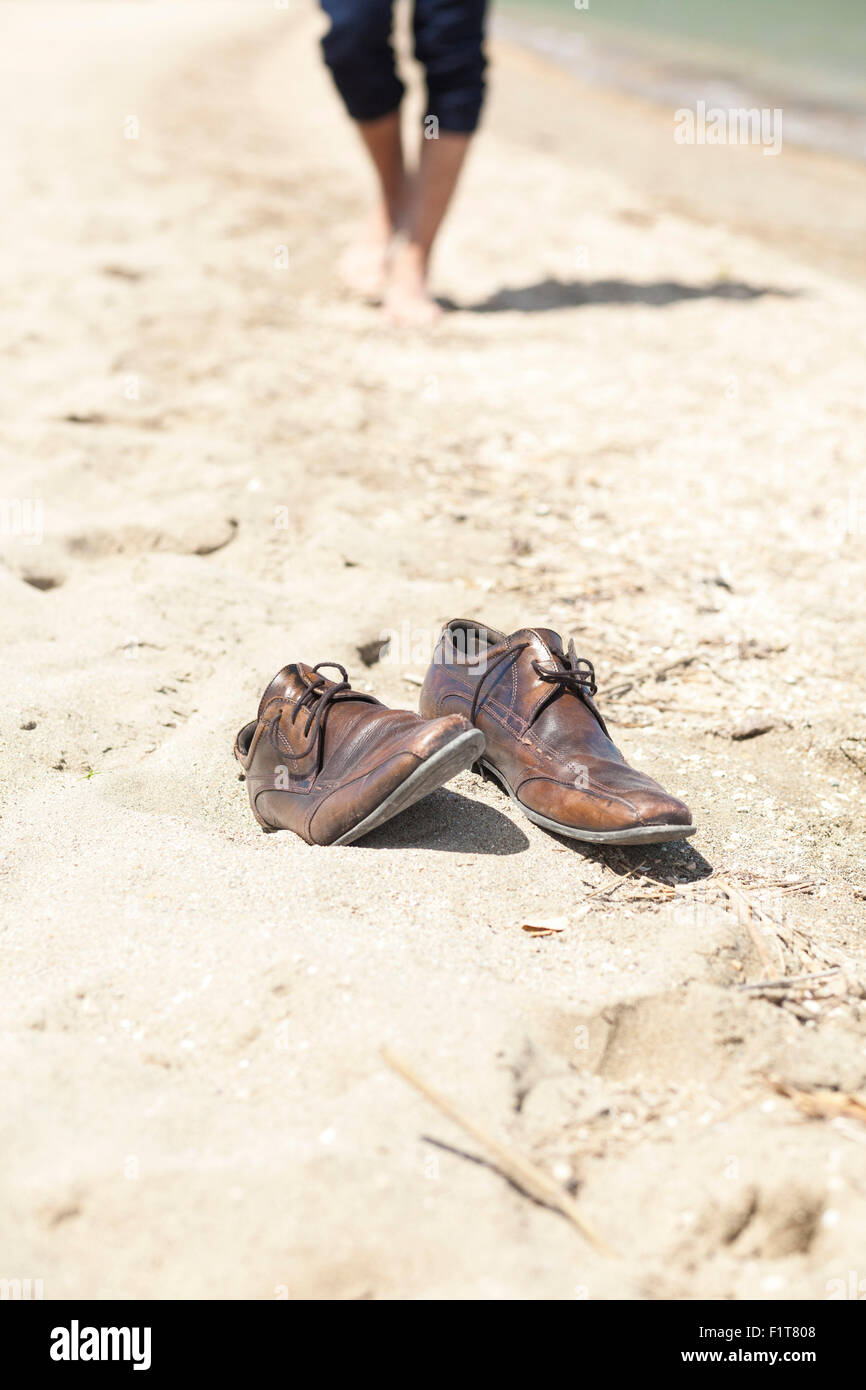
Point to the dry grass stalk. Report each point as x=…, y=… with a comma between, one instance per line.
x=822, y=1105
x=793, y=981
x=525, y=1175
x=815, y=964
x=752, y=914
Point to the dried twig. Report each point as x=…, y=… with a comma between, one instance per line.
x=606, y=892
x=822, y=1105
x=856, y=755
x=615, y=692
x=751, y=914
x=820, y=964
x=525, y=1175
x=794, y=981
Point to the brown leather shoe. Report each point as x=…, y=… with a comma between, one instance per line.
x=547, y=744
x=331, y=763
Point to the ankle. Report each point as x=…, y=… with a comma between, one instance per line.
x=410, y=255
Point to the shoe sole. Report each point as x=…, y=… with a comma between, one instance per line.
x=440, y=767
x=638, y=835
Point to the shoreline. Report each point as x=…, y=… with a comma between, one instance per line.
x=673, y=72
x=808, y=203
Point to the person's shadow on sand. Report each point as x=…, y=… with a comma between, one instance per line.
x=570, y=294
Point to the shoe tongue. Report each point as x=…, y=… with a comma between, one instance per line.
x=568, y=722
x=543, y=641
x=289, y=684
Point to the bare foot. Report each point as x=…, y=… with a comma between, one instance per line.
x=362, y=266
x=407, y=300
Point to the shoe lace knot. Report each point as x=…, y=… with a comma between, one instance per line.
x=566, y=671
x=576, y=673
x=316, y=701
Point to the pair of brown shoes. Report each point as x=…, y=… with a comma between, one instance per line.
x=331, y=763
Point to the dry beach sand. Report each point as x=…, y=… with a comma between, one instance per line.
x=643, y=426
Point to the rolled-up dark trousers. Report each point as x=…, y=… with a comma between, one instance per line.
x=449, y=43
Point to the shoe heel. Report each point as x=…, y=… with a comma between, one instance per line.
x=268, y=829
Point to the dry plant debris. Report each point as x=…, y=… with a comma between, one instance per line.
x=519, y=1170
x=822, y=1104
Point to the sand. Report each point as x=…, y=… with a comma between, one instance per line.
x=643, y=427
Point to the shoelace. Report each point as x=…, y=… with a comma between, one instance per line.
x=316, y=701
x=576, y=674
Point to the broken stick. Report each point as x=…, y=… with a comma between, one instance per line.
x=532, y=1180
